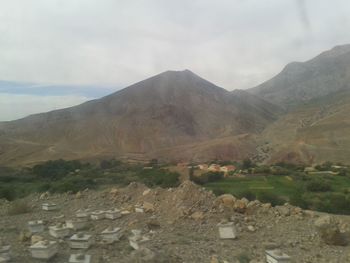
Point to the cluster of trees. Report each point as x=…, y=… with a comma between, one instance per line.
x=206, y=177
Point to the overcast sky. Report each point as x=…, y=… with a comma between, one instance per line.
x=95, y=46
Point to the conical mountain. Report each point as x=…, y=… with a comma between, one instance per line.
x=148, y=119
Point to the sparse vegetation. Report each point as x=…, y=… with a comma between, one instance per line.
x=18, y=207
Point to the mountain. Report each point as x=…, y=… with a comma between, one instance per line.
x=300, y=82
x=174, y=115
x=316, y=126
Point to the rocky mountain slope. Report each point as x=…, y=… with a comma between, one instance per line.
x=315, y=127
x=299, y=82
x=181, y=226
x=174, y=115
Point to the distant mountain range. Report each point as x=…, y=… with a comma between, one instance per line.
x=301, y=115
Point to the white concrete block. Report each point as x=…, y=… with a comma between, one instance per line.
x=79, y=258
x=276, y=256
x=111, y=234
x=81, y=241
x=113, y=214
x=36, y=226
x=227, y=230
x=76, y=224
x=49, y=206
x=98, y=215
x=59, y=231
x=44, y=249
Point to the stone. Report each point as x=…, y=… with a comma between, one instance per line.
x=78, y=195
x=44, y=196
x=111, y=234
x=139, y=209
x=240, y=206
x=227, y=200
x=329, y=231
x=44, y=249
x=59, y=231
x=49, y=206
x=251, y=228
x=214, y=259
x=227, y=230
x=36, y=238
x=80, y=241
x=276, y=256
x=137, y=239
x=153, y=223
x=197, y=216
x=146, y=192
x=283, y=210
x=36, y=226
x=148, y=207
x=114, y=192
x=79, y=258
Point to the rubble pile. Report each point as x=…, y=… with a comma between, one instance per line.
x=181, y=225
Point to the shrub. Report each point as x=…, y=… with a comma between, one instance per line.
x=161, y=178
x=318, y=186
x=55, y=169
x=268, y=197
x=247, y=194
x=108, y=164
x=334, y=203
x=247, y=163
x=18, y=207
x=7, y=193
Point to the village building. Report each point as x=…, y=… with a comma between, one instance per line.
x=214, y=168
x=203, y=166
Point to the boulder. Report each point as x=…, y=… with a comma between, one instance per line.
x=329, y=231
x=197, y=216
x=240, y=205
x=226, y=200
x=148, y=207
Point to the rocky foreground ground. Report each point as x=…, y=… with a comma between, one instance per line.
x=182, y=226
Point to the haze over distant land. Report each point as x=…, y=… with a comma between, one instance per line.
x=236, y=44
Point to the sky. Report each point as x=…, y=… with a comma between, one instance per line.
x=59, y=53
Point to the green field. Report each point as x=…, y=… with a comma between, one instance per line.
x=293, y=189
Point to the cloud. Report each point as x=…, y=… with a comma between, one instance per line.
x=14, y=106
x=233, y=43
